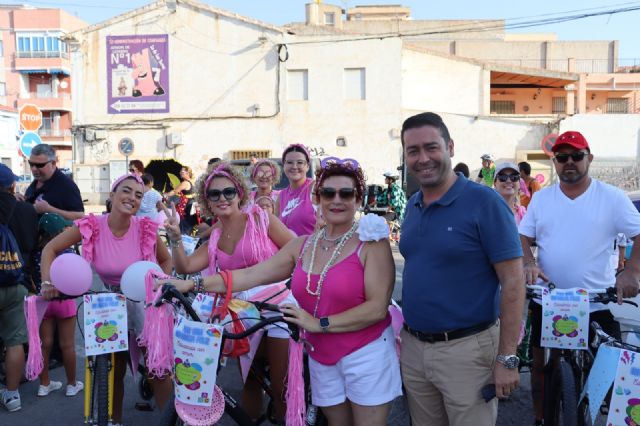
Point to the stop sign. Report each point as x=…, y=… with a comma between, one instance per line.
x=30, y=117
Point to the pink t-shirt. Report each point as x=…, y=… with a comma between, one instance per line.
x=342, y=289
x=296, y=209
x=111, y=255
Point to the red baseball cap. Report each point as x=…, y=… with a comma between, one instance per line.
x=571, y=138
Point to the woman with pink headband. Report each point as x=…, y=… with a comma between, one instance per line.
x=264, y=174
x=111, y=243
x=240, y=238
x=294, y=206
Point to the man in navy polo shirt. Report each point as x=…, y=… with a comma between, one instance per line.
x=463, y=270
x=52, y=191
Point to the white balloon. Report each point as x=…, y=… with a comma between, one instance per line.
x=132, y=282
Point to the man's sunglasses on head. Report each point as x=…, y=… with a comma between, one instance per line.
x=576, y=157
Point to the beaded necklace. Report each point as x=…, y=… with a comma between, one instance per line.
x=332, y=259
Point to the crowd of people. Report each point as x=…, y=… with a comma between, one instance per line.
x=466, y=246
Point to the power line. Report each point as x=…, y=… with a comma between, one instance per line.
x=462, y=28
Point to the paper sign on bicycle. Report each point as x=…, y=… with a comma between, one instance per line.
x=565, y=318
x=196, y=349
x=105, y=323
x=203, y=305
x=625, y=398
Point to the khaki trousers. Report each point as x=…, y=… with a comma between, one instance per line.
x=443, y=380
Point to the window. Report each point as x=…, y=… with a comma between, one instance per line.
x=329, y=18
x=559, y=105
x=248, y=154
x=40, y=45
x=503, y=107
x=355, y=83
x=298, y=85
x=3, y=89
x=617, y=106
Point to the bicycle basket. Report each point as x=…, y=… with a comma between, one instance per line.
x=197, y=415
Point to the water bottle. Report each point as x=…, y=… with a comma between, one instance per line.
x=312, y=413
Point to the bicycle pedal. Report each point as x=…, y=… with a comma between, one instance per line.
x=143, y=406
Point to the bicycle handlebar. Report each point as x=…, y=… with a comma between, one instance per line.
x=601, y=295
x=600, y=335
x=169, y=292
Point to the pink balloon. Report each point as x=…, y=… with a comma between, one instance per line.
x=540, y=178
x=71, y=274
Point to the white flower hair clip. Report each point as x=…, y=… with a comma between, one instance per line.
x=372, y=227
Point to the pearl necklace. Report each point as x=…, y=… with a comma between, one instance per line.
x=336, y=252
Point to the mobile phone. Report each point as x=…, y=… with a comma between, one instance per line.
x=488, y=392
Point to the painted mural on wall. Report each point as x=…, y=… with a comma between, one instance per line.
x=138, y=74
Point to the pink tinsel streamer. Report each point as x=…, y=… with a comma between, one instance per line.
x=157, y=332
x=35, y=363
x=296, y=409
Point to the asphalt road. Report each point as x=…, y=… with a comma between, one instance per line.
x=56, y=409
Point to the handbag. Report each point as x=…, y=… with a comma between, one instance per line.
x=232, y=347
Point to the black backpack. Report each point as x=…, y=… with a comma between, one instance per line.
x=11, y=263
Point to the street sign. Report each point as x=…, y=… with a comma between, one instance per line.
x=125, y=146
x=30, y=117
x=547, y=143
x=27, y=141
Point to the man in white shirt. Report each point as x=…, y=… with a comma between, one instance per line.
x=574, y=224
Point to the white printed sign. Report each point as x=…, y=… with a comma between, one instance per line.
x=196, y=350
x=189, y=243
x=203, y=305
x=625, y=399
x=565, y=318
x=105, y=323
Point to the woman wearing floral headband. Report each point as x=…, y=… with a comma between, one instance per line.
x=111, y=243
x=264, y=174
x=343, y=276
x=294, y=206
x=241, y=238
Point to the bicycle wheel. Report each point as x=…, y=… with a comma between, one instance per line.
x=561, y=404
x=235, y=411
x=101, y=388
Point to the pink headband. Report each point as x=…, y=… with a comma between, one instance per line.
x=263, y=162
x=124, y=177
x=292, y=147
x=220, y=172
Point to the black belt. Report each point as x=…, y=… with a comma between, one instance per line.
x=448, y=335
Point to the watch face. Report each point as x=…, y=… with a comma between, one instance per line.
x=324, y=322
x=511, y=361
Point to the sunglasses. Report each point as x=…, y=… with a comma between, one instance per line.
x=228, y=194
x=512, y=178
x=263, y=175
x=330, y=193
x=576, y=157
x=38, y=165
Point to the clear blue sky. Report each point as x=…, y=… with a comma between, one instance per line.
x=624, y=27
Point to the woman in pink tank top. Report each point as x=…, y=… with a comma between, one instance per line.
x=294, y=205
x=111, y=243
x=238, y=240
x=264, y=174
x=343, y=276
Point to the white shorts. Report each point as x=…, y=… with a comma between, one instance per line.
x=369, y=376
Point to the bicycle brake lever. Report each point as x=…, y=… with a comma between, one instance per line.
x=630, y=302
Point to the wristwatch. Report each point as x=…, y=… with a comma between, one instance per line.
x=509, y=361
x=324, y=324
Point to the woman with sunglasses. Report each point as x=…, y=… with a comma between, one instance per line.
x=241, y=238
x=295, y=206
x=507, y=183
x=111, y=243
x=343, y=276
x=264, y=174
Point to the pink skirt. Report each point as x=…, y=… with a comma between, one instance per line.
x=61, y=309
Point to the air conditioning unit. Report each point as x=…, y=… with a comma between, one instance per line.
x=89, y=135
x=100, y=134
x=174, y=139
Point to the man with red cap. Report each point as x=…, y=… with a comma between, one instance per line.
x=574, y=224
